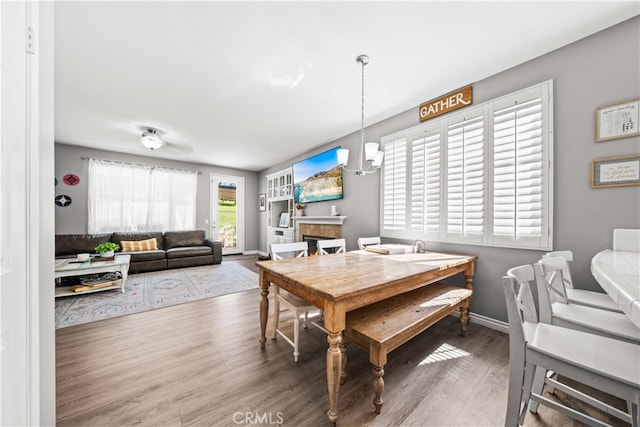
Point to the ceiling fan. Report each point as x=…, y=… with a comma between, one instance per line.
x=153, y=139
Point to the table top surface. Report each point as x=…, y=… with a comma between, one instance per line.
x=339, y=276
x=72, y=264
x=618, y=272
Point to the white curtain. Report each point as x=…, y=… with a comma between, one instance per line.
x=128, y=197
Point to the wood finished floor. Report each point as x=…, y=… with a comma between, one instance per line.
x=200, y=364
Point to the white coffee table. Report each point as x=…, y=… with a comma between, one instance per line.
x=72, y=267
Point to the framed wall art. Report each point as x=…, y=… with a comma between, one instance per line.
x=617, y=120
x=262, y=202
x=615, y=171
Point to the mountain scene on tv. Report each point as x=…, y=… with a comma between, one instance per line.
x=325, y=185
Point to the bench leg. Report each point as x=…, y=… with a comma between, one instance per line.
x=378, y=386
x=343, y=354
x=464, y=320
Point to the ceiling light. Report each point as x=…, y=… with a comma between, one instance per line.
x=368, y=151
x=151, y=139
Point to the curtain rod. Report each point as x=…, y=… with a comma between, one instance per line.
x=141, y=164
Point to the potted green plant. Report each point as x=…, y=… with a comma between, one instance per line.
x=107, y=249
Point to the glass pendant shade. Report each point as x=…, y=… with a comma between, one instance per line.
x=370, y=150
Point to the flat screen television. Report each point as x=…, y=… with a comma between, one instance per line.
x=318, y=178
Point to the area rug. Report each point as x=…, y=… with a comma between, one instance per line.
x=148, y=291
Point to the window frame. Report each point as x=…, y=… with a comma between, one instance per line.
x=412, y=230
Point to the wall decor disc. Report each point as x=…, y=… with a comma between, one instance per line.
x=63, y=200
x=71, y=179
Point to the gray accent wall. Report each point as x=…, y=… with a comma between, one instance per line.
x=599, y=70
x=74, y=218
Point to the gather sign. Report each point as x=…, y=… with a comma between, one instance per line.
x=449, y=102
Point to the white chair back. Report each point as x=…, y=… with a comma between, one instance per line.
x=550, y=284
x=566, y=272
x=626, y=239
x=366, y=241
x=297, y=249
x=517, y=287
x=340, y=246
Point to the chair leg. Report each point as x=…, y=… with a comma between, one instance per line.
x=634, y=410
x=536, y=388
x=529, y=373
x=296, y=335
x=304, y=322
x=514, y=394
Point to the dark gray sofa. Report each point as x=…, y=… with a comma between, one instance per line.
x=175, y=248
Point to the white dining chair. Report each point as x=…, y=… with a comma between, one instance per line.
x=556, y=309
x=338, y=245
x=363, y=242
x=581, y=356
x=582, y=296
x=298, y=306
x=626, y=239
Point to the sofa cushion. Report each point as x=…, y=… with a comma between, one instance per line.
x=181, y=239
x=139, y=245
x=139, y=256
x=119, y=236
x=189, y=252
x=73, y=244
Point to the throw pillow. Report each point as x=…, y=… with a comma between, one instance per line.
x=140, y=245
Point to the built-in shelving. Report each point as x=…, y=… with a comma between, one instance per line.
x=280, y=201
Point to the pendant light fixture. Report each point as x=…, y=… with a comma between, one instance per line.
x=370, y=156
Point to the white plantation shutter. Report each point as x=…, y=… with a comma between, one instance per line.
x=465, y=179
x=425, y=184
x=481, y=176
x=520, y=182
x=394, y=185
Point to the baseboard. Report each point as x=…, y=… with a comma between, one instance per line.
x=485, y=321
x=253, y=252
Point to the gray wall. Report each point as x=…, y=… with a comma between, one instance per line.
x=596, y=71
x=73, y=218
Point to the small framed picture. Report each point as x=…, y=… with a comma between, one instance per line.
x=615, y=171
x=262, y=202
x=617, y=120
x=284, y=220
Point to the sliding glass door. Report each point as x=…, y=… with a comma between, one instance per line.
x=227, y=212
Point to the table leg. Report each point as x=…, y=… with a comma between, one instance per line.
x=125, y=273
x=264, y=309
x=378, y=387
x=334, y=369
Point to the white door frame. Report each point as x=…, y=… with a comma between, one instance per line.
x=240, y=207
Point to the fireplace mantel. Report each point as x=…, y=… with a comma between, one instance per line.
x=332, y=220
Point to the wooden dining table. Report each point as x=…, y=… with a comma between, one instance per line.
x=339, y=283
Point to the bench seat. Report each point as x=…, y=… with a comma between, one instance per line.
x=384, y=326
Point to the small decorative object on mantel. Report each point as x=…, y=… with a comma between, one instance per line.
x=615, y=171
x=107, y=249
x=617, y=121
x=300, y=209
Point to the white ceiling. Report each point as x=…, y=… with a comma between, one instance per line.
x=251, y=84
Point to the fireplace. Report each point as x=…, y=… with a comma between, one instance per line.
x=312, y=241
x=311, y=233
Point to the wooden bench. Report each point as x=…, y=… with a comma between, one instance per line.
x=384, y=326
